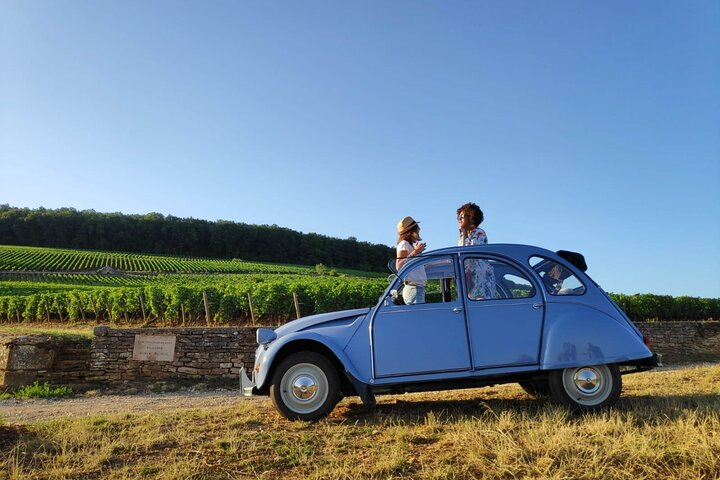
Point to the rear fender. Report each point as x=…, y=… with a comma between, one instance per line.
x=585, y=336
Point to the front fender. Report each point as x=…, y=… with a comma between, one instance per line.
x=267, y=359
x=579, y=335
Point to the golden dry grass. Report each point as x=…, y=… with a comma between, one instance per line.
x=666, y=425
x=70, y=329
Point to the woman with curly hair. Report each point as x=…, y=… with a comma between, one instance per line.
x=479, y=274
x=469, y=218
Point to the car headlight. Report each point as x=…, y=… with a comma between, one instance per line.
x=265, y=335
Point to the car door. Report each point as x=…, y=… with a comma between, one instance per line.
x=505, y=312
x=427, y=337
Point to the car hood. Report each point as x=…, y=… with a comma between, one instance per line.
x=320, y=319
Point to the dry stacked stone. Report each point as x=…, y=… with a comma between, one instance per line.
x=199, y=353
x=684, y=341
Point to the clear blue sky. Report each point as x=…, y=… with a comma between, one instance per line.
x=587, y=126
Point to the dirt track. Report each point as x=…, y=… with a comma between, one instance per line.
x=27, y=411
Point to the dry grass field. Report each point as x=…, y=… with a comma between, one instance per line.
x=666, y=425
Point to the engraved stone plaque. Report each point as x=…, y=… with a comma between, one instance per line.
x=154, y=348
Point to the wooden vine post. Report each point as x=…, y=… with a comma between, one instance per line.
x=142, y=307
x=207, y=310
x=297, y=305
x=252, y=311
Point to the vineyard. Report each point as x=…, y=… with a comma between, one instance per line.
x=35, y=259
x=169, y=290
x=48, y=285
x=173, y=303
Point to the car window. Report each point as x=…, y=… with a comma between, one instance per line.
x=489, y=279
x=437, y=276
x=557, y=278
x=517, y=286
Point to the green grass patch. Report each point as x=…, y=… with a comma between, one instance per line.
x=36, y=390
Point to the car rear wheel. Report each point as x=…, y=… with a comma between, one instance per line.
x=305, y=386
x=587, y=388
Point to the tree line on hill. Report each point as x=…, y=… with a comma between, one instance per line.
x=154, y=233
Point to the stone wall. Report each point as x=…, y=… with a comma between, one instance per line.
x=71, y=363
x=197, y=353
x=204, y=353
x=43, y=358
x=683, y=341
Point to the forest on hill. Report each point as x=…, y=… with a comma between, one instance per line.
x=154, y=233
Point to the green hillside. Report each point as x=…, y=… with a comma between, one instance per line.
x=156, y=234
x=47, y=285
x=14, y=258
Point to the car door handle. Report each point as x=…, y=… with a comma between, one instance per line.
x=457, y=310
x=537, y=305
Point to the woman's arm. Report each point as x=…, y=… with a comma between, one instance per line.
x=404, y=254
x=401, y=259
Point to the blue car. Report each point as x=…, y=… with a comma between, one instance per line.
x=548, y=327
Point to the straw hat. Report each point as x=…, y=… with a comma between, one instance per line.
x=405, y=225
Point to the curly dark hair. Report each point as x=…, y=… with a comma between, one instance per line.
x=472, y=210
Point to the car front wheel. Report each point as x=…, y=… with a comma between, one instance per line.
x=305, y=386
x=586, y=388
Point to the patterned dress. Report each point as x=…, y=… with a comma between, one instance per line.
x=479, y=274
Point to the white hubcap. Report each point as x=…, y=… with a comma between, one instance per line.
x=588, y=386
x=304, y=388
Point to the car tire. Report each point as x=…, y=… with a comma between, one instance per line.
x=539, y=388
x=586, y=388
x=305, y=386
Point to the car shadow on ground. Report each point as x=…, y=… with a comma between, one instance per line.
x=668, y=404
x=417, y=411
x=389, y=408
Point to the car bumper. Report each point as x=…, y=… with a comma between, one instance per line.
x=247, y=385
x=642, y=364
x=654, y=361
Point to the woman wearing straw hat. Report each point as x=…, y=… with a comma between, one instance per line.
x=409, y=245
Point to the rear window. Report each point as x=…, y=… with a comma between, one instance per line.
x=556, y=277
